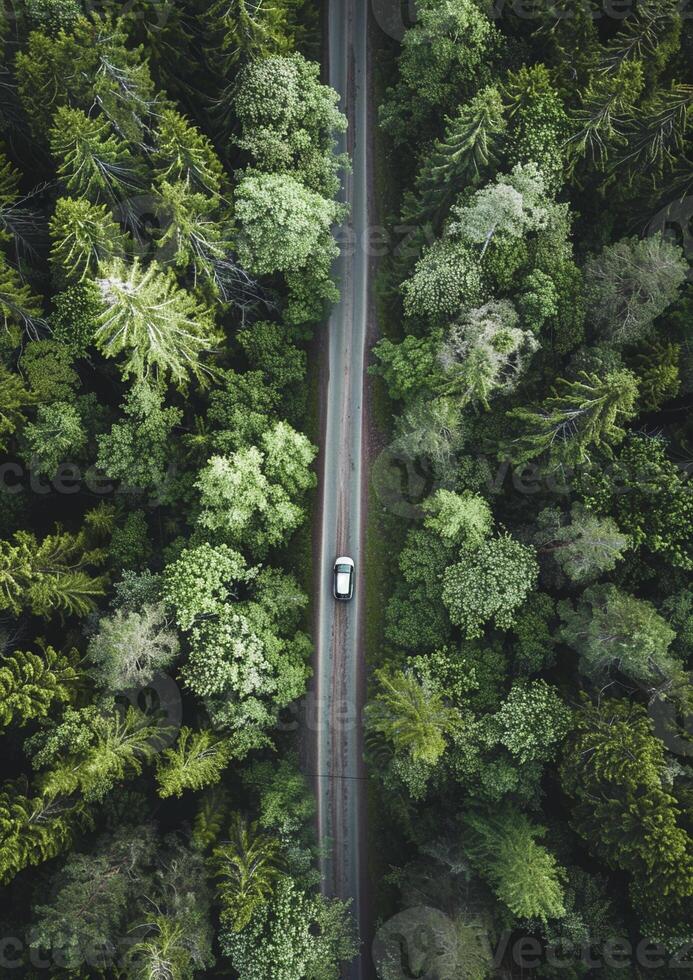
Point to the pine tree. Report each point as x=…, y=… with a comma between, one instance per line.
x=523, y=874
x=20, y=307
x=92, y=161
x=645, y=35
x=658, y=371
x=468, y=152
x=161, y=330
x=184, y=154
x=210, y=818
x=614, y=771
x=31, y=682
x=632, y=282
x=198, y=759
x=248, y=30
x=655, y=137
x=248, y=866
x=599, y=125
x=162, y=952
x=15, y=398
x=49, y=576
x=578, y=415
x=191, y=233
x=121, y=744
x=34, y=830
x=84, y=235
x=410, y=715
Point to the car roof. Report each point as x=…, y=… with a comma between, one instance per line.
x=344, y=560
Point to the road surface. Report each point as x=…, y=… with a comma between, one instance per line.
x=339, y=667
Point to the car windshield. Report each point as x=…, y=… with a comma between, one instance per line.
x=343, y=568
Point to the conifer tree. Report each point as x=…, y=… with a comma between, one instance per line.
x=31, y=682
x=248, y=866
x=197, y=760
x=578, y=416
x=160, y=329
x=84, y=235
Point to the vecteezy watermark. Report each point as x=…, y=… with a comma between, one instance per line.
x=675, y=222
x=419, y=942
x=161, y=702
x=402, y=480
x=72, y=478
x=395, y=17
x=672, y=725
x=17, y=953
x=424, y=943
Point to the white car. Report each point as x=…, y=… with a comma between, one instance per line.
x=343, y=578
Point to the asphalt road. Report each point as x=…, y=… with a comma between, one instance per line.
x=339, y=668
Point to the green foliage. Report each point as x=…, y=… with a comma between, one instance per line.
x=52, y=15
x=119, y=745
x=55, y=436
x=161, y=329
x=84, y=235
x=296, y=935
x=535, y=639
x=490, y=584
x=447, y=280
x=130, y=542
x=576, y=417
x=49, y=576
x=269, y=349
x=585, y=547
x=658, y=370
x=137, y=450
x=515, y=205
x=197, y=760
x=485, y=353
x=75, y=317
x=286, y=803
x=93, y=161
x=289, y=121
x=610, y=628
x=245, y=671
x=47, y=366
x=533, y=720
x=183, y=154
x=253, y=497
x=614, y=772
x=131, y=647
x=656, y=509
x=90, y=895
x=538, y=121
x=284, y=225
x=524, y=875
x=408, y=366
x=20, y=307
x=431, y=85
x=33, y=829
x=15, y=399
x=202, y=580
x=248, y=31
x=630, y=284
x=459, y=519
x=468, y=151
x=31, y=682
x=410, y=715
x=248, y=866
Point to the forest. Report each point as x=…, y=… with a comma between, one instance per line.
x=167, y=190
x=529, y=718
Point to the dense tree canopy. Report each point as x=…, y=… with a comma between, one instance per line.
x=168, y=187
x=531, y=698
